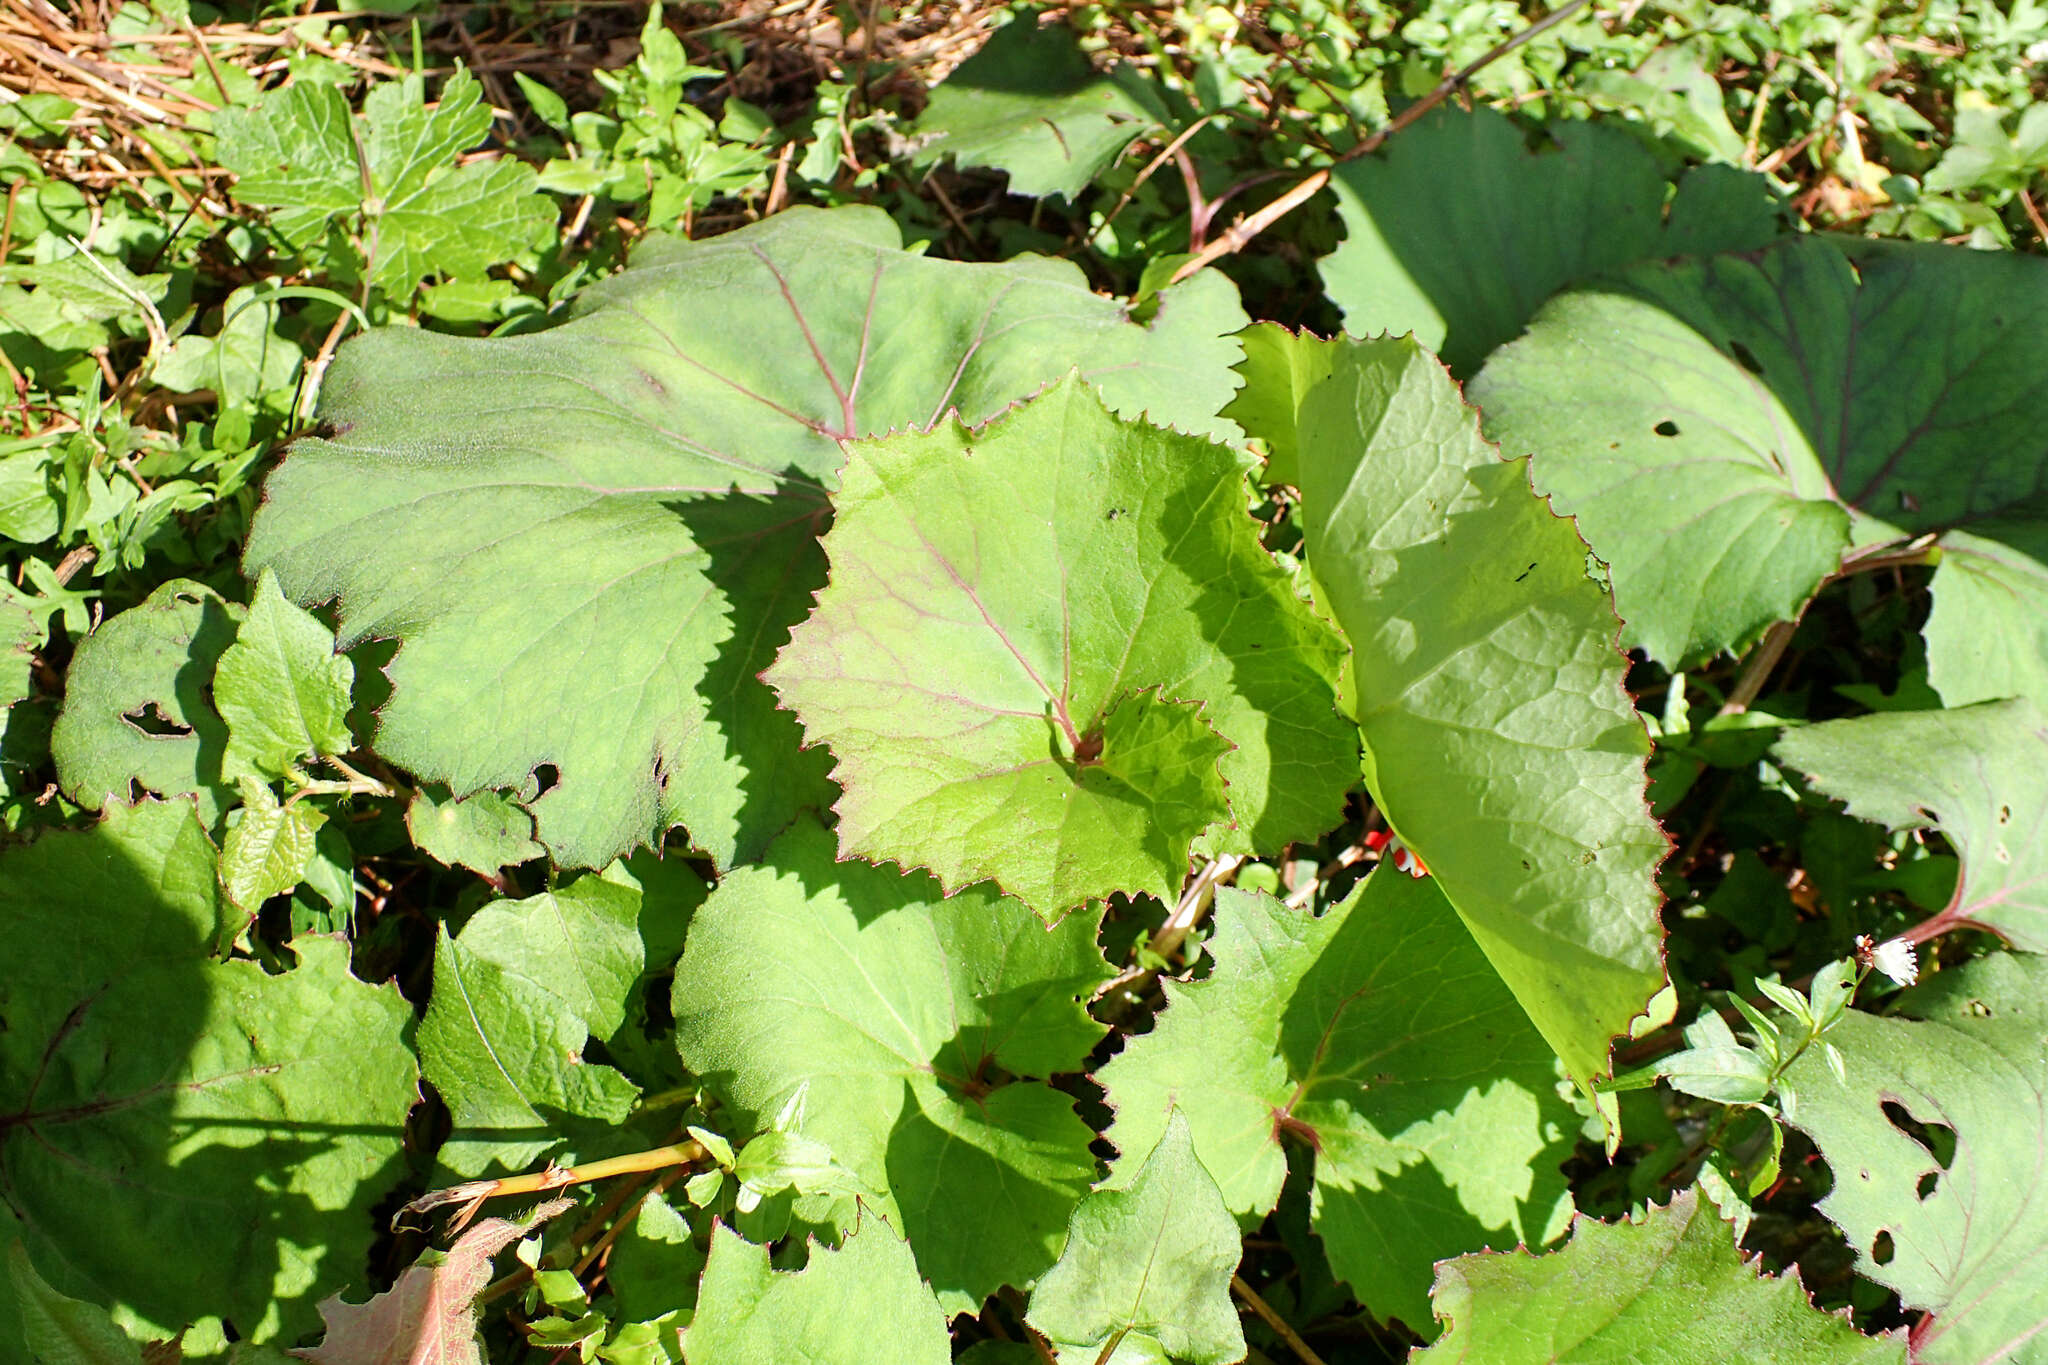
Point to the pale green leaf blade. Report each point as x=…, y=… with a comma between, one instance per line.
x=241, y=363
x=1979, y=774
x=1987, y=634
x=266, y=851
x=1725, y=429
x=1279, y=369
x=295, y=153
x=518, y=994
x=880, y=1009
x=60, y=1330
x=136, y=711
x=1150, y=1255
x=1038, y=639
x=1500, y=741
x=1029, y=103
x=1379, y=1035
x=281, y=688
x=462, y=222
x=1967, y=1241
x=248, y=1121
x=485, y=833
x=1671, y=1289
x=1464, y=260
x=842, y=1308
x=517, y=512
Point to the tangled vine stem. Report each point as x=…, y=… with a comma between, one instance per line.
x=1241, y=233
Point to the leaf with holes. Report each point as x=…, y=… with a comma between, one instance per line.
x=1464, y=261
x=1669, y=1288
x=838, y=1310
x=137, y=710
x=909, y=1030
x=1147, y=1264
x=1379, y=1037
x=228, y=1129
x=1725, y=430
x=1029, y=103
x=1937, y=1139
x=1047, y=646
x=518, y=995
x=1978, y=774
x=589, y=540
x=1499, y=739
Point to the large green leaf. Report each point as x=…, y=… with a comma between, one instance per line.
x=138, y=710
x=1458, y=231
x=518, y=994
x=1029, y=103
x=1725, y=429
x=590, y=540
x=1378, y=1037
x=1500, y=742
x=1670, y=1289
x=1039, y=639
x=905, y=1026
x=1979, y=774
x=182, y=1135
x=1960, y=1231
x=1147, y=1264
x=858, y=1304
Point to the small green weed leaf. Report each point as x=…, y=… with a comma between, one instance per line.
x=840, y=1309
x=1279, y=368
x=29, y=510
x=1730, y=1075
x=430, y=1313
x=281, y=688
x=1671, y=1288
x=1039, y=640
x=1979, y=774
x=266, y=850
x=1148, y=1255
x=1963, y=1238
x=520, y=512
x=161, y=1102
x=1378, y=1035
x=1725, y=429
x=1029, y=103
x=903, y=1029
x=59, y=1330
x=518, y=994
x=1464, y=261
x=655, y=1265
x=242, y=363
x=22, y=633
x=1499, y=739
x=136, y=710
x=484, y=833
x=305, y=156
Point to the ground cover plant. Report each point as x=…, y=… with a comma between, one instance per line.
x=1316, y=682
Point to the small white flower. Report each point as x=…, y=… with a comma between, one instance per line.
x=1896, y=959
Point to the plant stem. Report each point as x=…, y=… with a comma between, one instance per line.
x=556, y=1177
x=1756, y=669
x=1274, y=1321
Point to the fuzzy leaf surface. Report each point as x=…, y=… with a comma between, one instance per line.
x=518, y=994
x=1725, y=429
x=136, y=709
x=1978, y=774
x=1500, y=742
x=281, y=688
x=244, y=1121
x=1039, y=638
x=487, y=832
x=1030, y=103
x=1464, y=261
x=1149, y=1255
x=1379, y=1034
x=266, y=851
x=910, y=1028
x=1672, y=1289
x=838, y=1310
x=60, y=1330
x=590, y=540
x=1968, y=1239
